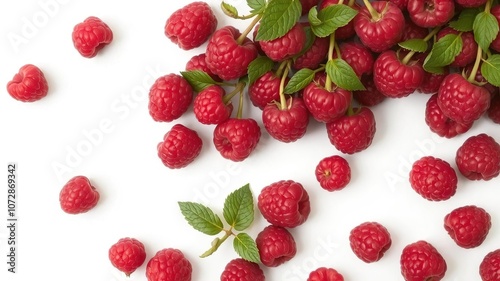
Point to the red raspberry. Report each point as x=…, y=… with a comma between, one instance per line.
x=28, y=85
x=314, y=56
x=127, y=255
x=495, y=11
x=471, y=3
x=284, y=203
x=489, y=269
x=401, y=4
x=78, y=196
x=236, y=138
x=198, y=62
x=227, y=57
x=180, y=147
x=432, y=82
x=494, y=109
x=469, y=49
x=265, y=90
x=169, y=97
x=333, y=173
x=191, y=26
x=369, y=241
x=326, y=106
x=325, y=274
x=433, y=178
x=431, y=13
x=276, y=245
x=468, y=226
x=371, y=96
x=394, y=78
x=440, y=123
x=169, y=264
x=285, y=46
x=352, y=133
x=307, y=5
x=461, y=100
x=421, y=261
x=478, y=158
x=344, y=32
x=242, y=270
x=209, y=106
x=359, y=57
x=286, y=124
x=413, y=31
x=90, y=36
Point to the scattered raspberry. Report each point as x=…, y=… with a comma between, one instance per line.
x=494, y=109
x=325, y=274
x=359, y=57
x=369, y=241
x=169, y=264
x=276, y=245
x=191, y=26
x=440, y=123
x=431, y=13
x=241, y=270
x=432, y=81
x=180, y=147
x=28, y=85
x=489, y=269
x=433, y=178
x=90, y=36
x=78, y=196
x=333, y=173
x=413, y=31
x=478, y=158
x=127, y=255
x=371, y=96
x=468, y=226
x=469, y=49
x=209, y=106
x=324, y=105
x=314, y=56
x=236, y=138
x=265, y=90
x=286, y=124
x=285, y=46
x=169, y=97
x=421, y=261
x=198, y=62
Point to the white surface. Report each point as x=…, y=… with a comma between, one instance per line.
x=139, y=195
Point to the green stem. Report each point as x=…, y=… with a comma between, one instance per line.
x=282, y=66
x=487, y=8
x=331, y=48
x=282, y=85
x=238, y=88
x=351, y=3
x=376, y=16
x=249, y=29
x=475, y=68
x=239, y=114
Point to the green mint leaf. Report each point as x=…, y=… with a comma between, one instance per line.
x=415, y=45
x=465, y=20
x=239, y=209
x=278, y=18
x=299, y=80
x=490, y=69
x=444, y=51
x=485, y=29
x=433, y=69
x=312, y=17
x=257, y=6
x=198, y=79
x=229, y=10
x=246, y=247
x=201, y=218
x=259, y=67
x=333, y=17
x=342, y=74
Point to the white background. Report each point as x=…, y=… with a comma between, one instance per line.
x=104, y=100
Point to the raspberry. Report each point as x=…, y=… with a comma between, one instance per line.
x=352, y=133
x=90, y=36
x=78, y=196
x=286, y=124
x=325, y=274
x=371, y=96
x=421, y=261
x=241, y=270
x=401, y=4
x=127, y=255
x=359, y=57
x=236, y=138
x=431, y=13
x=169, y=264
x=324, y=105
x=284, y=203
x=180, y=147
x=413, y=31
x=495, y=11
x=28, y=85
x=169, y=97
x=198, y=62
x=478, y=158
x=433, y=178
x=313, y=56
x=468, y=226
x=191, y=26
x=489, y=268
x=276, y=245
x=369, y=241
x=494, y=109
x=469, y=49
x=209, y=106
x=470, y=3
x=307, y=5
x=333, y=173
x=227, y=57
x=285, y=46
x=432, y=82
x=344, y=32
x=440, y=123
x=265, y=90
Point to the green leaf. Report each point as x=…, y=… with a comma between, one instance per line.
x=299, y=80
x=333, y=17
x=415, y=45
x=238, y=208
x=257, y=6
x=198, y=79
x=490, y=69
x=259, y=67
x=312, y=16
x=444, y=51
x=246, y=247
x=201, y=218
x=342, y=74
x=485, y=29
x=229, y=10
x=310, y=37
x=465, y=20
x=278, y=18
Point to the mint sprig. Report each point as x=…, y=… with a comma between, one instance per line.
x=329, y=19
x=443, y=52
x=278, y=18
x=238, y=208
x=490, y=69
x=198, y=79
x=485, y=28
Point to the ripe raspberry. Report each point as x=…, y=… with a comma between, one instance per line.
x=489, y=269
x=344, y=32
x=307, y=5
x=494, y=109
x=469, y=49
x=286, y=124
x=169, y=264
x=236, y=138
x=369, y=241
x=478, y=158
x=471, y=3
x=433, y=178
x=180, y=147
x=285, y=46
x=326, y=106
x=227, y=57
x=440, y=123
x=421, y=261
x=352, y=133
x=191, y=26
x=401, y=4
x=90, y=36
x=413, y=31
x=127, y=255
x=468, y=226
x=359, y=57
x=314, y=56
x=265, y=90
x=371, y=96
x=242, y=270
x=169, y=97
x=325, y=274
x=495, y=11
x=431, y=13
x=28, y=85
x=284, y=203
x=209, y=106
x=276, y=245
x=432, y=82
x=78, y=196
x=333, y=173
x=198, y=62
